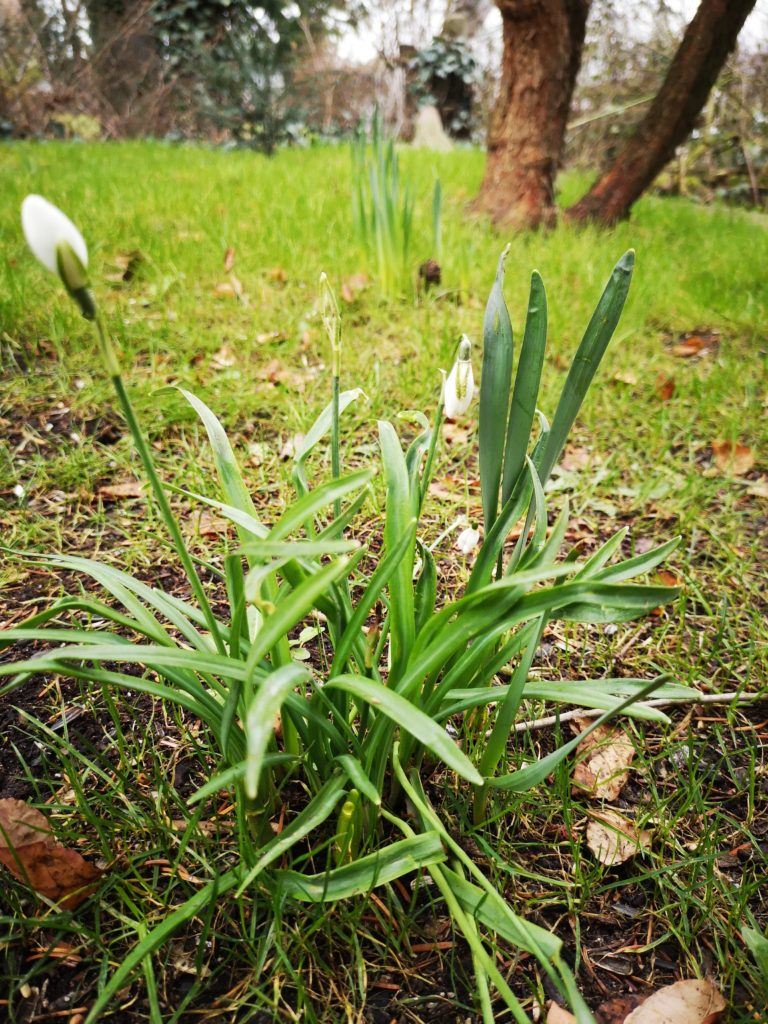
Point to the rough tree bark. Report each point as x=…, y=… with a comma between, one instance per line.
x=708, y=40
x=125, y=56
x=542, y=53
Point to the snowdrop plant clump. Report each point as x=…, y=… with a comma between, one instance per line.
x=364, y=727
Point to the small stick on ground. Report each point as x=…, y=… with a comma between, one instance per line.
x=660, y=702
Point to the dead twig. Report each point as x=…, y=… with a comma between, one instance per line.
x=660, y=702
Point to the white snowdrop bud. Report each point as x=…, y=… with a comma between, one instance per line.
x=460, y=385
x=468, y=540
x=60, y=247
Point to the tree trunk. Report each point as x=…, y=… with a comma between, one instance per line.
x=125, y=56
x=542, y=54
x=708, y=40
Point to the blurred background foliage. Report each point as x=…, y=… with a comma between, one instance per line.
x=229, y=73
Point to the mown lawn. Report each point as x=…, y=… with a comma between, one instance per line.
x=159, y=221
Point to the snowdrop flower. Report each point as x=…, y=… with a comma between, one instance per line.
x=460, y=385
x=468, y=540
x=60, y=247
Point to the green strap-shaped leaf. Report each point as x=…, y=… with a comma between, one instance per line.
x=359, y=779
x=382, y=574
x=591, y=350
x=300, y=511
x=638, y=565
x=426, y=587
x=495, y=386
x=410, y=718
x=322, y=424
x=494, y=913
x=526, y=391
x=297, y=603
x=264, y=550
x=260, y=719
x=232, y=483
x=401, y=508
x=533, y=774
x=758, y=945
x=363, y=875
x=604, y=554
x=151, y=655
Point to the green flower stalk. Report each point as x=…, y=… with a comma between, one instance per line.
x=59, y=246
x=331, y=318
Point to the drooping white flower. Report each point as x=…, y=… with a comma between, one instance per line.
x=468, y=540
x=60, y=247
x=49, y=232
x=460, y=384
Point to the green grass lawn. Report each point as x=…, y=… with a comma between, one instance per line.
x=253, y=348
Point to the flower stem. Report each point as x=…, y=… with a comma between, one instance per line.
x=426, y=475
x=161, y=498
x=335, y=453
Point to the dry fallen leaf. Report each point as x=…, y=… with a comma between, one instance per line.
x=456, y=433
x=758, y=488
x=685, y=1002
x=121, y=489
x=231, y=289
x=667, y=578
x=126, y=265
x=696, y=345
x=223, y=359
x=606, y=755
x=275, y=372
x=229, y=259
x=454, y=488
x=732, y=458
x=576, y=458
x=665, y=387
x=625, y=377
x=290, y=446
x=211, y=525
x=614, y=839
x=439, y=490
x=557, y=1015
x=615, y=1010
x=258, y=453
x=30, y=852
x=354, y=284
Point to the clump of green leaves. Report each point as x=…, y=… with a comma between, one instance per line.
x=399, y=659
x=382, y=210
x=445, y=74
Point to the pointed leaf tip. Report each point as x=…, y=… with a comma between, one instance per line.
x=627, y=261
x=500, y=266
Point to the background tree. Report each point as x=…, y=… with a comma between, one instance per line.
x=543, y=44
x=125, y=56
x=708, y=40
